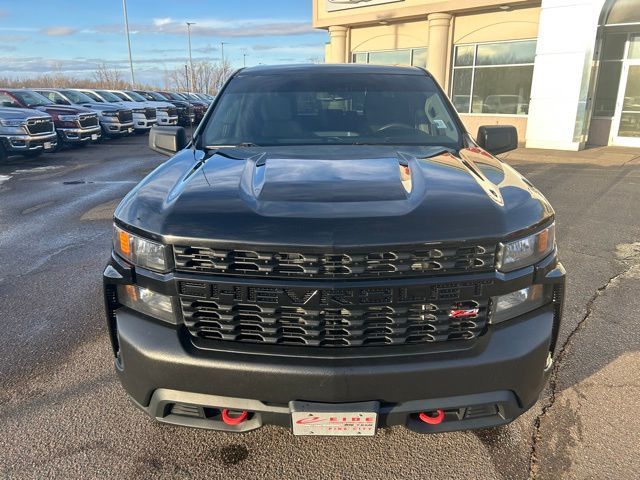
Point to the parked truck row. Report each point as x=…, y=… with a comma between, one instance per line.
x=38, y=120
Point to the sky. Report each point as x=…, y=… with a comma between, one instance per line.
x=74, y=36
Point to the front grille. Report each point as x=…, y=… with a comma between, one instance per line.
x=404, y=261
x=125, y=116
x=36, y=126
x=150, y=113
x=339, y=317
x=88, y=121
x=172, y=111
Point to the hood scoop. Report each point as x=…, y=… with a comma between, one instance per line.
x=372, y=187
x=329, y=181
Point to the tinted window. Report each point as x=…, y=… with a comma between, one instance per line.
x=320, y=108
x=94, y=97
x=32, y=99
x=77, y=97
x=108, y=96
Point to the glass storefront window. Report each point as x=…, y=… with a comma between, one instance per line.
x=391, y=57
x=624, y=11
x=461, y=96
x=464, y=55
x=607, y=89
x=416, y=57
x=506, y=53
x=493, y=78
x=419, y=57
x=360, y=58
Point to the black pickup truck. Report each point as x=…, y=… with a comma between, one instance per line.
x=334, y=253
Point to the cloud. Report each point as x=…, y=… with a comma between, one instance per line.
x=159, y=22
x=217, y=28
x=13, y=38
x=58, y=31
x=206, y=49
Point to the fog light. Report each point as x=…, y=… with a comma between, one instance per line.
x=147, y=302
x=519, y=302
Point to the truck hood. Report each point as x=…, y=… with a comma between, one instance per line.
x=63, y=109
x=334, y=196
x=10, y=113
x=155, y=104
x=102, y=107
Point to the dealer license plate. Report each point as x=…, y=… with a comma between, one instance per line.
x=47, y=145
x=335, y=423
x=94, y=136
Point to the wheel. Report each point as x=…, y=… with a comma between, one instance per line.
x=3, y=153
x=34, y=154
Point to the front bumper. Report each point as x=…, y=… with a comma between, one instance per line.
x=141, y=122
x=167, y=120
x=501, y=373
x=80, y=135
x=30, y=143
x=116, y=128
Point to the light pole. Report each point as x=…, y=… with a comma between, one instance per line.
x=193, y=78
x=126, y=27
x=222, y=44
x=244, y=59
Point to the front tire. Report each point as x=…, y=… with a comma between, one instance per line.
x=3, y=152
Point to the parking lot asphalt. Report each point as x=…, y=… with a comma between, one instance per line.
x=64, y=415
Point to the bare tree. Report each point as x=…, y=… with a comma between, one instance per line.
x=208, y=77
x=107, y=77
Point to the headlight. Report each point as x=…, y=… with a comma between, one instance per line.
x=11, y=123
x=139, y=110
x=147, y=301
x=68, y=118
x=162, y=109
x=526, y=251
x=110, y=114
x=139, y=251
x=520, y=302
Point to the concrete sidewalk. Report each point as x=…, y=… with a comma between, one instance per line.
x=603, y=156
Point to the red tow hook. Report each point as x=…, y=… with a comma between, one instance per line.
x=430, y=418
x=229, y=420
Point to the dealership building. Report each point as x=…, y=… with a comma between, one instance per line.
x=566, y=73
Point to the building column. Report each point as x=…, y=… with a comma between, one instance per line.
x=338, y=48
x=438, y=51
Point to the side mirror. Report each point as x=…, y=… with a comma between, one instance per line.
x=61, y=101
x=497, y=139
x=167, y=140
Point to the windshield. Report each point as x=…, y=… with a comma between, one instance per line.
x=136, y=97
x=93, y=97
x=152, y=96
x=76, y=97
x=175, y=96
x=121, y=96
x=32, y=99
x=332, y=109
x=108, y=96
